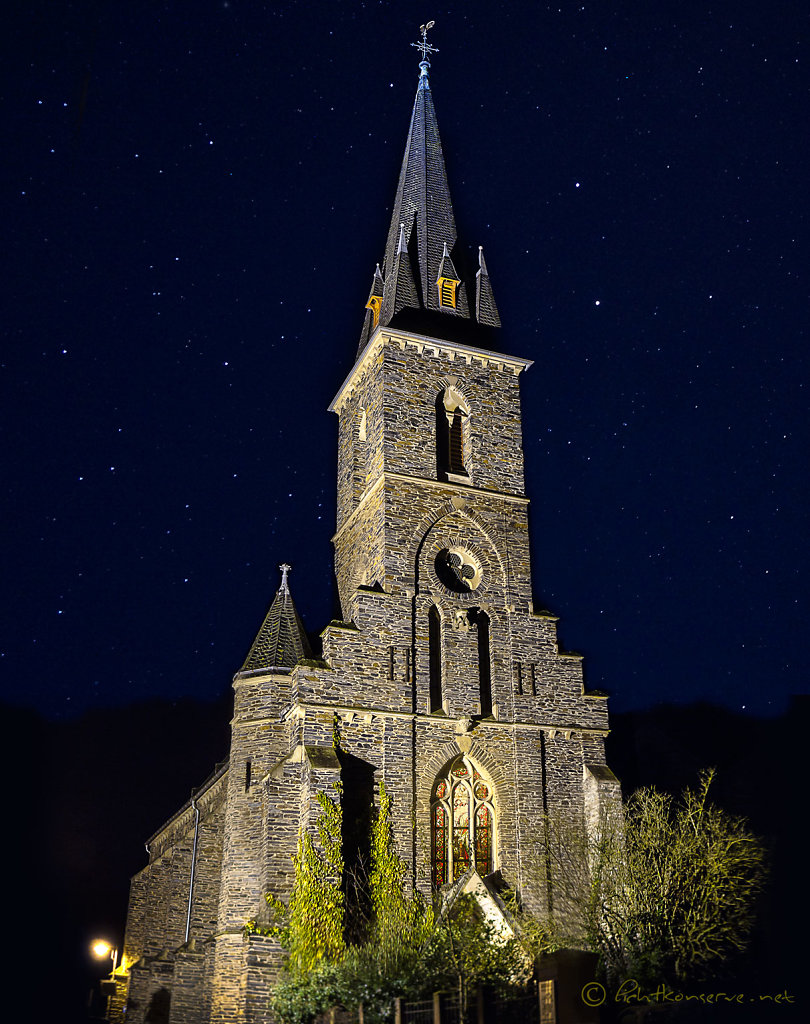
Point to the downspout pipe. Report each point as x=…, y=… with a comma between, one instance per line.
x=193, y=865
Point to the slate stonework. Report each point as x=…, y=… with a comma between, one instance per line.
x=436, y=593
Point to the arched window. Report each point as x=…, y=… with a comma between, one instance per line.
x=435, y=656
x=452, y=436
x=462, y=822
x=484, y=664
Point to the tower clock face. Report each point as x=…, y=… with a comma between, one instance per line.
x=458, y=569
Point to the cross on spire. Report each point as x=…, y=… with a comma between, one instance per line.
x=285, y=587
x=424, y=45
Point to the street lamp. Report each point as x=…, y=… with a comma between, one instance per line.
x=102, y=949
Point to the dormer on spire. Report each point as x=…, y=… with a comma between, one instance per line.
x=373, y=308
x=447, y=281
x=376, y=296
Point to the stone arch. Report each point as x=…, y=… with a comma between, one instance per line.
x=470, y=746
x=453, y=448
x=464, y=523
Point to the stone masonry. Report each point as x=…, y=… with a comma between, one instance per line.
x=440, y=651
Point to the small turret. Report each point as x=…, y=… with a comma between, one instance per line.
x=281, y=642
x=486, y=311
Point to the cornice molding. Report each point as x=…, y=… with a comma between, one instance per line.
x=421, y=343
x=436, y=485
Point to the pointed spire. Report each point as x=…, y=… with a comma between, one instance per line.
x=446, y=268
x=400, y=285
x=422, y=245
x=422, y=202
x=486, y=311
x=281, y=642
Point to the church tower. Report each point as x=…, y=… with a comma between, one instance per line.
x=475, y=719
x=441, y=678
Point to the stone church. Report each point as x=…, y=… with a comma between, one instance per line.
x=442, y=678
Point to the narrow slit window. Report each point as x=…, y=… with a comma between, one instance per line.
x=435, y=658
x=484, y=664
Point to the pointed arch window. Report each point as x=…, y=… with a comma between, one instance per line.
x=484, y=663
x=463, y=822
x=452, y=436
x=375, y=305
x=435, y=658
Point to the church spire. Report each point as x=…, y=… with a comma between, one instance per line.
x=422, y=245
x=281, y=642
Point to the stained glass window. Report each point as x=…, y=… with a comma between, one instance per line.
x=483, y=840
x=463, y=822
x=439, y=845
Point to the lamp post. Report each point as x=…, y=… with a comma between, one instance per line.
x=101, y=950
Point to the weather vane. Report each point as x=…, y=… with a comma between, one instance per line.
x=424, y=45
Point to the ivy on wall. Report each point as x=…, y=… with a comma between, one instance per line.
x=310, y=927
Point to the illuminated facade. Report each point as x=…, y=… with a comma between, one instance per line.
x=442, y=678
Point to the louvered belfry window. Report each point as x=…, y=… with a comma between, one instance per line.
x=447, y=292
x=452, y=434
x=457, y=443
x=462, y=822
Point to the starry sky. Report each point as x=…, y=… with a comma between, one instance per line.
x=196, y=197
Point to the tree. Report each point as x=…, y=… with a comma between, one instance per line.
x=662, y=889
x=402, y=948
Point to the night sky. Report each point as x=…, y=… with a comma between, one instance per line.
x=196, y=197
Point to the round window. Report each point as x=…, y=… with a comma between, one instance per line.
x=458, y=569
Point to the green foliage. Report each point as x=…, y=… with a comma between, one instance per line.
x=404, y=949
x=469, y=953
x=395, y=911
x=311, y=927
x=278, y=925
x=537, y=937
x=662, y=889
x=316, y=902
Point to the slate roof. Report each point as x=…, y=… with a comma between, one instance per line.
x=422, y=225
x=281, y=642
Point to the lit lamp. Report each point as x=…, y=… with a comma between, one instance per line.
x=102, y=949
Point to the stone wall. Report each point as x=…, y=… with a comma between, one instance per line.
x=539, y=742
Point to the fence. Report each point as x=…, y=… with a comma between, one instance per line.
x=445, y=1008
x=483, y=1008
